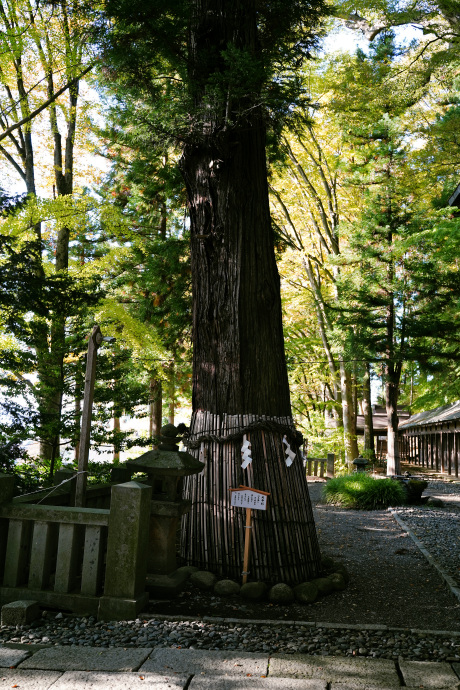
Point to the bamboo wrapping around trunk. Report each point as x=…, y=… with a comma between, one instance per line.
x=284, y=541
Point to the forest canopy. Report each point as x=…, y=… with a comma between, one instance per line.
x=102, y=111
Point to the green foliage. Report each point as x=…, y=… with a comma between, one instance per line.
x=33, y=297
x=360, y=491
x=146, y=52
x=30, y=475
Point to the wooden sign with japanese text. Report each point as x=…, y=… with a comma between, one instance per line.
x=245, y=497
x=251, y=499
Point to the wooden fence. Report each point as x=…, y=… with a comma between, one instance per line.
x=433, y=446
x=86, y=560
x=321, y=467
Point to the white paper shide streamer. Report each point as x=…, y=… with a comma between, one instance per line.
x=246, y=452
x=290, y=455
x=202, y=458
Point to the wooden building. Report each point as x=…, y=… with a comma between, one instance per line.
x=432, y=439
x=380, y=426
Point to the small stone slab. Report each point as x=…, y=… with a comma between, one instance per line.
x=371, y=673
x=228, y=683
x=84, y=680
x=28, y=680
x=87, y=659
x=206, y=662
x=359, y=686
x=429, y=674
x=165, y=586
x=20, y=612
x=12, y=657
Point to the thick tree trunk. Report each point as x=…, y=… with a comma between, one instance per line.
x=369, y=442
x=239, y=369
x=349, y=428
x=391, y=402
x=284, y=544
x=156, y=408
x=77, y=412
x=172, y=393
x=116, y=448
x=393, y=369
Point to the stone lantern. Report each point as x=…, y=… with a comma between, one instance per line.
x=360, y=463
x=166, y=468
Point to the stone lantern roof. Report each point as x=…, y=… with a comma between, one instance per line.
x=167, y=460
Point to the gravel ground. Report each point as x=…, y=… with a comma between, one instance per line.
x=285, y=638
x=438, y=528
x=391, y=584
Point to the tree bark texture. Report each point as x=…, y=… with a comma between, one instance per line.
x=349, y=429
x=393, y=367
x=369, y=442
x=238, y=347
x=156, y=408
x=116, y=449
x=171, y=393
x=391, y=402
x=239, y=368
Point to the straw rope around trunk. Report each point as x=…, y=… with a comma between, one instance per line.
x=284, y=541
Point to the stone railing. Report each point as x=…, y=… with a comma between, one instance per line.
x=321, y=467
x=86, y=560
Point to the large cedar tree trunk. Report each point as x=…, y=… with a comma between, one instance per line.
x=391, y=403
x=369, y=441
x=239, y=365
x=393, y=367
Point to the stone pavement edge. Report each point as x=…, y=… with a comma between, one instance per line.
x=77, y=668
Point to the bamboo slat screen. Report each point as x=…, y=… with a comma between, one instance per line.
x=284, y=542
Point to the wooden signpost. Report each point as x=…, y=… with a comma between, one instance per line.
x=251, y=499
x=95, y=340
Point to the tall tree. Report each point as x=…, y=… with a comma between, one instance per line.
x=232, y=65
x=387, y=252
x=146, y=183
x=308, y=200
x=44, y=57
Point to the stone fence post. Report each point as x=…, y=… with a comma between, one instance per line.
x=330, y=465
x=127, y=543
x=6, y=488
x=6, y=495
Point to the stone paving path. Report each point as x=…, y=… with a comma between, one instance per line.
x=64, y=668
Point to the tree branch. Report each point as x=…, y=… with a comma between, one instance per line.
x=44, y=105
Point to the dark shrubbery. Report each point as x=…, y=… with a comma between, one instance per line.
x=363, y=492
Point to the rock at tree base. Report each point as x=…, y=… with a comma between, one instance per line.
x=343, y=571
x=306, y=593
x=338, y=581
x=281, y=594
x=187, y=569
x=255, y=591
x=324, y=586
x=203, y=579
x=226, y=588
